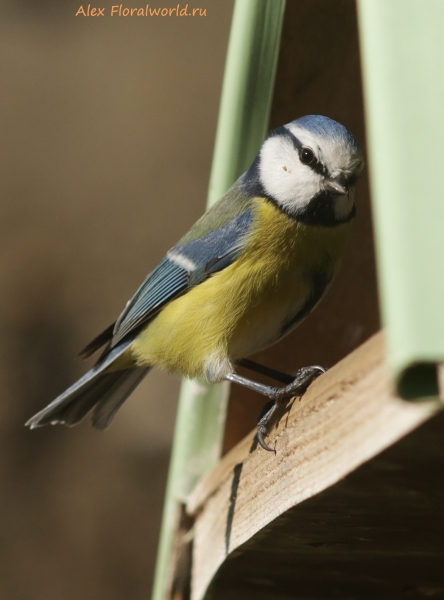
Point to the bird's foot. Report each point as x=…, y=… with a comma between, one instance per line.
x=303, y=378
x=278, y=396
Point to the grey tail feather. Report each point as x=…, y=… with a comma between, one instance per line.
x=99, y=341
x=105, y=392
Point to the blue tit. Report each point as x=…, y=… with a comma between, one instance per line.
x=244, y=276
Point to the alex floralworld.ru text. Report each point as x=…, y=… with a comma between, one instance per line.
x=119, y=10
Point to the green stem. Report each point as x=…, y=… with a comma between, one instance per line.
x=243, y=121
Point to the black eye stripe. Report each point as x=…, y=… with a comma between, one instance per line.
x=316, y=165
x=283, y=132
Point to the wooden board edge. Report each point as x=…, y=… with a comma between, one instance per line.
x=346, y=417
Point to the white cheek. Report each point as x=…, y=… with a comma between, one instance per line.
x=292, y=187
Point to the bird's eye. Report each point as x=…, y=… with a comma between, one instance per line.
x=307, y=156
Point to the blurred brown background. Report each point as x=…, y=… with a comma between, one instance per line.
x=106, y=134
x=107, y=129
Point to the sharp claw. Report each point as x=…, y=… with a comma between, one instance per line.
x=319, y=368
x=260, y=439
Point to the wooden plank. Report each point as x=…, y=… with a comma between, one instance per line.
x=347, y=416
x=377, y=533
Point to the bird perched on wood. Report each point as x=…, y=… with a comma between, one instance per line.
x=245, y=275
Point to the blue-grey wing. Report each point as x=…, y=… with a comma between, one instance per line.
x=184, y=266
x=167, y=281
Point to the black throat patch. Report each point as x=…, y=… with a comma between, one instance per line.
x=320, y=211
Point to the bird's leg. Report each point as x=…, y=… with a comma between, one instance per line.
x=272, y=373
x=278, y=395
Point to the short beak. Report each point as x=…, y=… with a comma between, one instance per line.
x=336, y=186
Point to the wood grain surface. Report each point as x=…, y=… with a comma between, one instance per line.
x=346, y=417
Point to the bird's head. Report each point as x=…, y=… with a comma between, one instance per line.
x=308, y=168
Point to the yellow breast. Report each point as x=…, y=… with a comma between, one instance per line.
x=243, y=308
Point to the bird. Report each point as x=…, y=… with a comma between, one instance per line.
x=244, y=276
